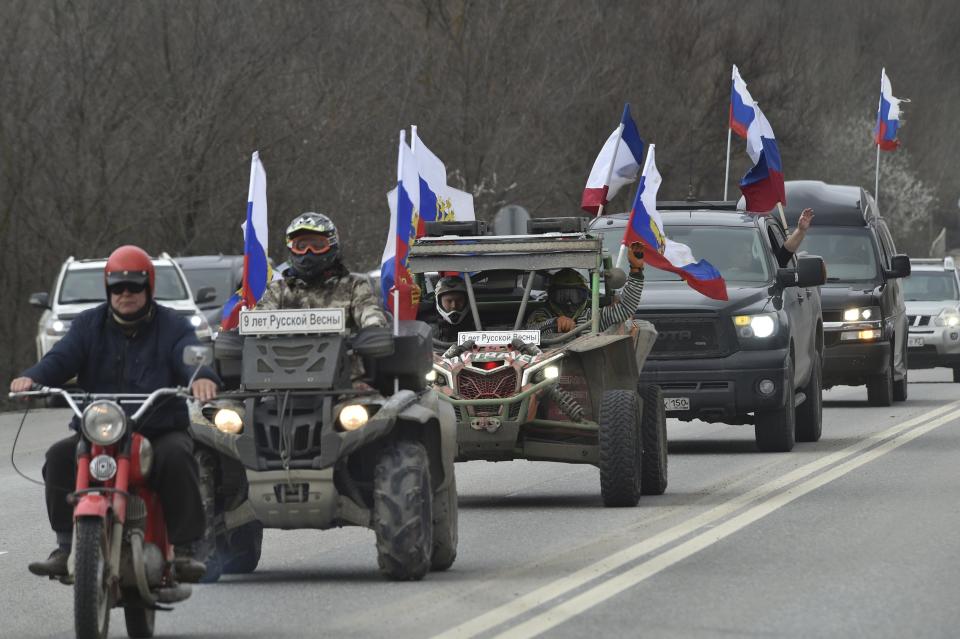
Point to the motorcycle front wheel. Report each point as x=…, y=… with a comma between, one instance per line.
x=91, y=591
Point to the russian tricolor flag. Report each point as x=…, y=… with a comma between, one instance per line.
x=888, y=116
x=646, y=226
x=742, y=105
x=762, y=186
x=403, y=226
x=617, y=164
x=256, y=269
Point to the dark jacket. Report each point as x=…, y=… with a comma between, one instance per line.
x=105, y=360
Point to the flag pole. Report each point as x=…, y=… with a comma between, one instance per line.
x=613, y=160
x=876, y=183
x=783, y=218
x=726, y=177
x=413, y=138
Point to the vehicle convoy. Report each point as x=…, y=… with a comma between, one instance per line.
x=932, y=295
x=520, y=395
x=755, y=358
x=298, y=444
x=79, y=286
x=121, y=556
x=864, y=316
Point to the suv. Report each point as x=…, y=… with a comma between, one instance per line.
x=864, y=317
x=79, y=286
x=221, y=274
x=755, y=358
x=932, y=295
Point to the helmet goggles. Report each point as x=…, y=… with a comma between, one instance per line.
x=309, y=243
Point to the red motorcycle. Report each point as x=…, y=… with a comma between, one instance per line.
x=120, y=555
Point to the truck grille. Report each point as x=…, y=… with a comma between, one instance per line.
x=919, y=320
x=689, y=337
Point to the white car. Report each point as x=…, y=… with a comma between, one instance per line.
x=932, y=296
x=79, y=286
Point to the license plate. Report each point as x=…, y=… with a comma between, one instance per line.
x=914, y=342
x=676, y=403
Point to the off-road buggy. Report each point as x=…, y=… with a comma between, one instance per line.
x=518, y=395
x=303, y=442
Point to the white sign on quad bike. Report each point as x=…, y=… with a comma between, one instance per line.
x=292, y=321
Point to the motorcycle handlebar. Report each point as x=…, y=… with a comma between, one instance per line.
x=71, y=398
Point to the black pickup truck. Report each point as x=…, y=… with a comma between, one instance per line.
x=755, y=358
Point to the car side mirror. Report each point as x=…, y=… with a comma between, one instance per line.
x=811, y=271
x=196, y=356
x=899, y=267
x=40, y=300
x=205, y=294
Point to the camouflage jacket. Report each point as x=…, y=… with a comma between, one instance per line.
x=545, y=319
x=350, y=291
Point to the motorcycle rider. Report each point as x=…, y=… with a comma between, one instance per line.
x=568, y=299
x=451, y=302
x=317, y=278
x=129, y=344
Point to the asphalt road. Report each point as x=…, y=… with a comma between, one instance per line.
x=855, y=535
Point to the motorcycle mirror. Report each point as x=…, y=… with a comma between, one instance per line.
x=197, y=355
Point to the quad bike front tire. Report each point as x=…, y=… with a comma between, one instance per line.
x=620, y=448
x=403, y=511
x=91, y=590
x=241, y=549
x=653, y=432
x=140, y=622
x=445, y=517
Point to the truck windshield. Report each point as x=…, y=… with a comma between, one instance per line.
x=739, y=253
x=930, y=286
x=848, y=252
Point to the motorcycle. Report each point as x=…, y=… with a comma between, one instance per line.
x=120, y=554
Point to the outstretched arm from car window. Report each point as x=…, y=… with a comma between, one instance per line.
x=793, y=242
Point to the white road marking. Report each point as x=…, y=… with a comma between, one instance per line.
x=544, y=594
x=604, y=591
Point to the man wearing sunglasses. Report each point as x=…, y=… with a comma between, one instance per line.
x=317, y=278
x=129, y=344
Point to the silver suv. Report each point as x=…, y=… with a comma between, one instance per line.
x=932, y=296
x=79, y=286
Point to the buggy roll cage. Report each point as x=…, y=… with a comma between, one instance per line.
x=531, y=253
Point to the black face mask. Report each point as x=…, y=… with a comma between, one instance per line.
x=568, y=299
x=311, y=267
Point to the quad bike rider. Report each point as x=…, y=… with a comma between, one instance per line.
x=570, y=395
x=122, y=493
x=332, y=422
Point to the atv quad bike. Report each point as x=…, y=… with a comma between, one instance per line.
x=302, y=442
x=519, y=395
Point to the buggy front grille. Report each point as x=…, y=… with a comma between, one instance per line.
x=496, y=385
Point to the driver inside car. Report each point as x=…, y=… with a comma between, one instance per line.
x=453, y=311
x=568, y=300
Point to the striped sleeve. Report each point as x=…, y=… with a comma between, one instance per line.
x=624, y=309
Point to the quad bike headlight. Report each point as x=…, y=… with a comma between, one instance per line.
x=104, y=422
x=353, y=416
x=228, y=420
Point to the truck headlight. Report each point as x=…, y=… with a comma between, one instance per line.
x=871, y=313
x=755, y=325
x=947, y=317
x=353, y=416
x=104, y=422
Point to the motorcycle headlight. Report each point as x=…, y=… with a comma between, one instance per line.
x=947, y=317
x=869, y=314
x=104, y=422
x=353, y=416
x=755, y=325
x=229, y=421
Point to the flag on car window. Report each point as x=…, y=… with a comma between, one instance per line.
x=617, y=164
x=762, y=186
x=256, y=268
x=404, y=222
x=741, y=105
x=888, y=116
x=646, y=226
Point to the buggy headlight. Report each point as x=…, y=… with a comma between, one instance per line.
x=104, y=422
x=551, y=372
x=440, y=376
x=551, y=362
x=353, y=416
x=228, y=420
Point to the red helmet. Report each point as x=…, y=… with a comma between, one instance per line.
x=130, y=264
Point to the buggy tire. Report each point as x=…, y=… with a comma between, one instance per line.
x=809, y=417
x=140, y=622
x=208, y=549
x=653, y=434
x=402, y=511
x=620, y=448
x=445, y=519
x=880, y=388
x=91, y=592
x=241, y=549
x=775, y=430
